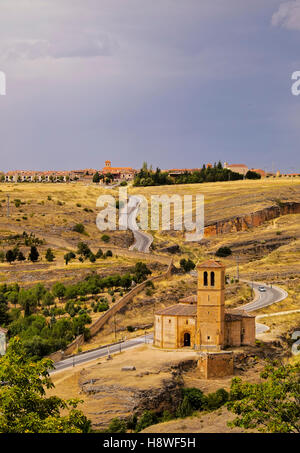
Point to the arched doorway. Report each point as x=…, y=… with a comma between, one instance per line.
x=187, y=339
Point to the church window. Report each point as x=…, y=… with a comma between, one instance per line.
x=212, y=279
x=205, y=279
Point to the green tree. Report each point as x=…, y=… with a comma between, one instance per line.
x=79, y=228
x=187, y=265
x=83, y=249
x=12, y=297
x=99, y=254
x=58, y=290
x=148, y=418
x=222, y=252
x=49, y=255
x=24, y=408
x=272, y=405
x=195, y=397
x=96, y=177
x=105, y=238
x=21, y=256
x=28, y=301
x=117, y=426
x=68, y=257
x=92, y=258
x=252, y=175
x=10, y=256
x=39, y=291
x=48, y=299
x=141, y=272
x=34, y=254
x=4, y=317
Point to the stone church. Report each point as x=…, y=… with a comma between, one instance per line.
x=201, y=321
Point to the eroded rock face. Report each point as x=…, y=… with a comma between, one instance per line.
x=118, y=399
x=254, y=219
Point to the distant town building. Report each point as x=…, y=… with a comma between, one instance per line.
x=242, y=169
x=261, y=172
x=180, y=171
x=118, y=173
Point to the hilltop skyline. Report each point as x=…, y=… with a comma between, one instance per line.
x=174, y=84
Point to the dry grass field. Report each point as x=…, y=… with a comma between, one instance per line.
x=270, y=252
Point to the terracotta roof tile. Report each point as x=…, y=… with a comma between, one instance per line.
x=189, y=300
x=179, y=310
x=236, y=314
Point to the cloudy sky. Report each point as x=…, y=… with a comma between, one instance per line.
x=173, y=82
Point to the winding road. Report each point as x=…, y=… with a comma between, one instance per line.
x=272, y=295
x=128, y=216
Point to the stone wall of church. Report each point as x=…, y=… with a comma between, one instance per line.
x=185, y=325
x=215, y=365
x=169, y=331
x=233, y=331
x=248, y=331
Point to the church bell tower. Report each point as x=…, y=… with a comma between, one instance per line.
x=210, y=306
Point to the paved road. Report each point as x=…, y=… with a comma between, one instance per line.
x=142, y=241
x=102, y=352
x=264, y=299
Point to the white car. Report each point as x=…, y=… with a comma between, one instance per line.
x=262, y=289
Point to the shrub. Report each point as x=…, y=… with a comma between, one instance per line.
x=147, y=419
x=34, y=254
x=195, y=397
x=223, y=252
x=187, y=265
x=184, y=409
x=99, y=254
x=216, y=400
x=92, y=258
x=105, y=238
x=117, y=426
x=79, y=228
x=49, y=255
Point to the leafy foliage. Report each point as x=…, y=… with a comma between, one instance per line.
x=187, y=265
x=147, y=177
x=24, y=408
x=272, y=405
x=222, y=252
x=79, y=228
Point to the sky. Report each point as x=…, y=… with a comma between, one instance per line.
x=175, y=83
